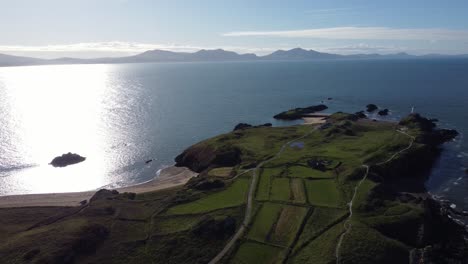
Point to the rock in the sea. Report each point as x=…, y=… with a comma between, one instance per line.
x=298, y=113
x=371, y=108
x=67, y=159
x=383, y=112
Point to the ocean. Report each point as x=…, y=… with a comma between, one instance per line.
x=120, y=116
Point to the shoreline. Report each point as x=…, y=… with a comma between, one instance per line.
x=168, y=178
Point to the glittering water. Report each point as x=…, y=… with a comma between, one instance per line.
x=119, y=116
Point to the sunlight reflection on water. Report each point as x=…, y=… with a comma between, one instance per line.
x=39, y=122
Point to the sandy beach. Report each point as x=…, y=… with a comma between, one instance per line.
x=315, y=119
x=169, y=177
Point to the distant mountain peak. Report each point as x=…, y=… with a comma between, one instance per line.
x=157, y=55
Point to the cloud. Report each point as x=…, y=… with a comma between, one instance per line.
x=114, y=49
x=365, y=48
x=112, y=46
x=361, y=33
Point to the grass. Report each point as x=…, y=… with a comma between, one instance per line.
x=306, y=172
x=366, y=245
x=252, y=252
x=223, y=172
x=322, y=193
x=298, y=191
x=263, y=191
x=173, y=224
x=321, y=220
x=280, y=190
x=264, y=221
x=288, y=225
x=320, y=250
x=264, y=185
x=234, y=195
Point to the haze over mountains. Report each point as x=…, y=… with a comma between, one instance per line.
x=297, y=54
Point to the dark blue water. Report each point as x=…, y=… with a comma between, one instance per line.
x=156, y=110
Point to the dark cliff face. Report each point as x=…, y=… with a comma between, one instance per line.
x=430, y=134
x=198, y=158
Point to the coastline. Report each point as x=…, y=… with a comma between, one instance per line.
x=168, y=178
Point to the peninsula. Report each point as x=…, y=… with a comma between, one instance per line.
x=349, y=190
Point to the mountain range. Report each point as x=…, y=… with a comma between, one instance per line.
x=297, y=54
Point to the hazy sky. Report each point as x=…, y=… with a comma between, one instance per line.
x=92, y=28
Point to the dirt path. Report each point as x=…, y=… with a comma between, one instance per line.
x=347, y=224
x=248, y=210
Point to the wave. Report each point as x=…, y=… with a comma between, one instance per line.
x=8, y=169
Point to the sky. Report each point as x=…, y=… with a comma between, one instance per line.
x=102, y=28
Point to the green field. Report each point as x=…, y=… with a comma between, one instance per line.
x=223, y=172
x=298, y=191
x=288, y=224
x=322, y=192
x=264, y=185
x=306, y=172
x=264, y=221
x=321, y=220
x=281, y=191
x=251, y=252
x=234, y=195
x=320, y=250
x=366, y=245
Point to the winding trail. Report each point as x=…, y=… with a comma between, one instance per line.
x=347, y=224
x=248, y=210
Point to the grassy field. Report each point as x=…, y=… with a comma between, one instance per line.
x=252, y=252
x=263, y=191
x=298, y=191
x=287, y=226
x=234, y=195
x=280, y=190
x=264, y=185
x=264, y=221
x=223, y=172
x=320, y=250
x=306, y=172
x=323, y=193
x=321, y=220
x=366, y=245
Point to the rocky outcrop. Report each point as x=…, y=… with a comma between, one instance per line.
x=371, y=108
x=298, y=113
x=242, y=126
x=383, y=112
x=200, y=156
x=360, y=114
x=431, y=135
x=67, y=159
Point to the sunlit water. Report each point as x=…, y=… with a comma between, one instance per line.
x=119, y=116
